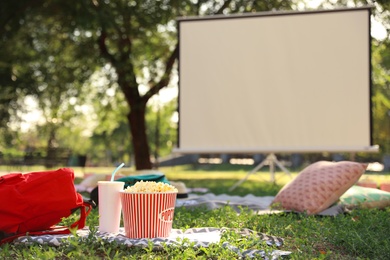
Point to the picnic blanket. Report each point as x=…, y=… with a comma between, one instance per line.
x=200, y=237
x=259, y=204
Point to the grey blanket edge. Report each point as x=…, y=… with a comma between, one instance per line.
x=211, y=204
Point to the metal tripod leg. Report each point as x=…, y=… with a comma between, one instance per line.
x=258, y=167
x=271, y=160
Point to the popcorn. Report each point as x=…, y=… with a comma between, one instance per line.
x=150, y=187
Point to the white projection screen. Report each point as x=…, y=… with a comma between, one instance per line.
x=275, y=82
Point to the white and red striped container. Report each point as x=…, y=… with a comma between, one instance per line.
x=148, y=215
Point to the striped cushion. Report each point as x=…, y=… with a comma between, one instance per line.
x=365, y=197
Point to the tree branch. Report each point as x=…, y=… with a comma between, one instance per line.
x=103, y=47
x=166, y=77
x=223, y=7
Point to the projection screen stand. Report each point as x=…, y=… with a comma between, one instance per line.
x=270, y=160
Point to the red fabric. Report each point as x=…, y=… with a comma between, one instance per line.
x=34, y=202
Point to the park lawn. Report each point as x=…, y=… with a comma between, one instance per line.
x=359, y=234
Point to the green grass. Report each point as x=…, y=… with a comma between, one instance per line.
x=359, y=234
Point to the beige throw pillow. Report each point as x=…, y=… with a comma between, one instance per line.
x=318, y=186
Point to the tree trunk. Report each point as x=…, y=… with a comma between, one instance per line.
x=50, y=149
x=137, y=122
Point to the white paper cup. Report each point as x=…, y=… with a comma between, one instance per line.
x=110, y=205
x=148, y=215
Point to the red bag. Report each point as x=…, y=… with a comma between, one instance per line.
x=34, y=202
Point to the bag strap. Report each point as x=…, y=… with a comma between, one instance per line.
x=79, y=224
x=85, y=209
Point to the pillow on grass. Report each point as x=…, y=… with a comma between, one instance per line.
x=318, y=186
x=365, y=197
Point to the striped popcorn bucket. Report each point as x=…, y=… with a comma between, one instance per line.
x=148, y=215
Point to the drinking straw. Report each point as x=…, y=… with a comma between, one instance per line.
x=117, y=168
